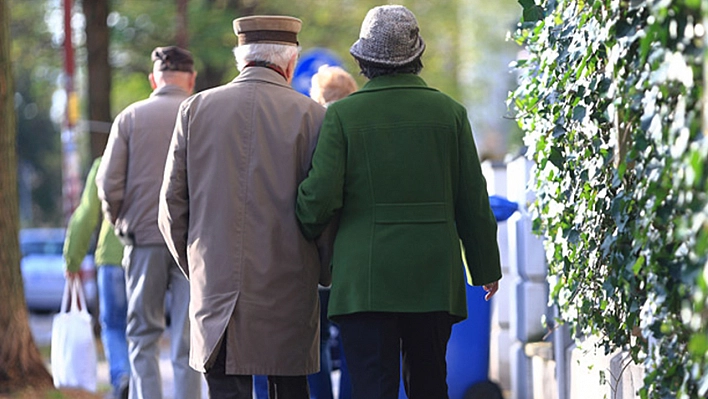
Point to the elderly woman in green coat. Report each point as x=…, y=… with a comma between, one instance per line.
x=397, y=163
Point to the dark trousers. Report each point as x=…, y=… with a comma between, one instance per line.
x=225, y=386
x=321, y=382
x=376, y=342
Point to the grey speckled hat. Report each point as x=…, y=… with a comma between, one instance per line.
x=389, y=36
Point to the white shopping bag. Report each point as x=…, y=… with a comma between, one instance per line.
x=73, y=351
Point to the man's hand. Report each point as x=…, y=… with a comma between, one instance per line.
x=491, y=289
x=72, y=275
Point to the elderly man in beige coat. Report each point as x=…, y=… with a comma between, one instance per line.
x=227, y=213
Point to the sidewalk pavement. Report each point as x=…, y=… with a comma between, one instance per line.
x=165, y=371
x=41, y=326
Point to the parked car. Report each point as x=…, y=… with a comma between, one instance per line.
x=43, y=270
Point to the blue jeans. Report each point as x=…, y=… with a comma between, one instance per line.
x=113, y=307
x=345, y=383
x=321, y=383
x=260, y=384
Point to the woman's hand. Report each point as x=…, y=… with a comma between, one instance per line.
x=491, y=289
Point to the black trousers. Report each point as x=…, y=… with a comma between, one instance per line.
x=376, y=342
x=226, y=386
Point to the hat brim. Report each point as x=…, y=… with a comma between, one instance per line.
x=273, y=29
x=359, y=50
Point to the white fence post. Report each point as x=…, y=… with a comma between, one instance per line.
x=500, y=336
x=527, y=279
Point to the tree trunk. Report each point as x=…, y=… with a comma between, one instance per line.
x=99, y=74
x=212, y=75
x=209, y=76
x=182, y=34
x=21, y=364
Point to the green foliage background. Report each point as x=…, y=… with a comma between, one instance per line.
x=140, y=26
x=36, y=71
x=610, y=99
x=466, y=57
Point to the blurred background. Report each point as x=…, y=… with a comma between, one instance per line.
x=68, y=91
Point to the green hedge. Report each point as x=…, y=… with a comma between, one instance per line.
x=609, y=98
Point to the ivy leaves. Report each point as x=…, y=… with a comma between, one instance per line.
x=532, y=12
x=609, y=98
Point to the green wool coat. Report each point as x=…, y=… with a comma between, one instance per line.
x=397, y=163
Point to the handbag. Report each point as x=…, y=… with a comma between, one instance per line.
x=73, y=350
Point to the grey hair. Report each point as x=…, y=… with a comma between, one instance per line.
x=278, y=54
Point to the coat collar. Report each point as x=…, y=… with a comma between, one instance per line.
x=168, y=90
x=394, y=81
x=262, y=75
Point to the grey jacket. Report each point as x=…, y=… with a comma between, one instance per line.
x=227, y=212
x=131, y=171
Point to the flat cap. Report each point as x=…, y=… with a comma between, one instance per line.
x=173, y=58
x=276, y=29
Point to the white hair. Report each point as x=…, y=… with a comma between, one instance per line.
x=278, y=54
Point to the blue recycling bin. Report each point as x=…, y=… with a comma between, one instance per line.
x=502, y=207
x=468, y=349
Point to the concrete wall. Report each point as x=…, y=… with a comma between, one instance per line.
x=543, y=370
x=500, y=338
x=594, y=375
x=519, y=307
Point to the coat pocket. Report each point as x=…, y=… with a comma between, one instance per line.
x=426, y=212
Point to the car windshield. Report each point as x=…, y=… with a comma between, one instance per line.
x=42, y=248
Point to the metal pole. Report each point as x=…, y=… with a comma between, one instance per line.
x=561, y=342
x=71, y=187
x=68, y=47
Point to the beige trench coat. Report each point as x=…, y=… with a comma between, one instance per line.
x=227, y=212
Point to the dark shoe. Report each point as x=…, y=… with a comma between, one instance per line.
x=484, y=390
x=123, y=388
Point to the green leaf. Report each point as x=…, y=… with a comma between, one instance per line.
x=695, y=4
x=638, y=265
x=579, y=113
x=532, y=12
x=558, y=131
x=556, y=157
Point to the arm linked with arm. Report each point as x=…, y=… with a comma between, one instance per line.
x=325, y=247
x=320, y=195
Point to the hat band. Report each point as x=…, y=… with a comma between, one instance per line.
x=256, y=36
x=165, y=66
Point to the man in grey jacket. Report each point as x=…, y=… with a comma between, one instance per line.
x=128, y=182
x=227, y=212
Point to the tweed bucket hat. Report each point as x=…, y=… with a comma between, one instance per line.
x=389, y=36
